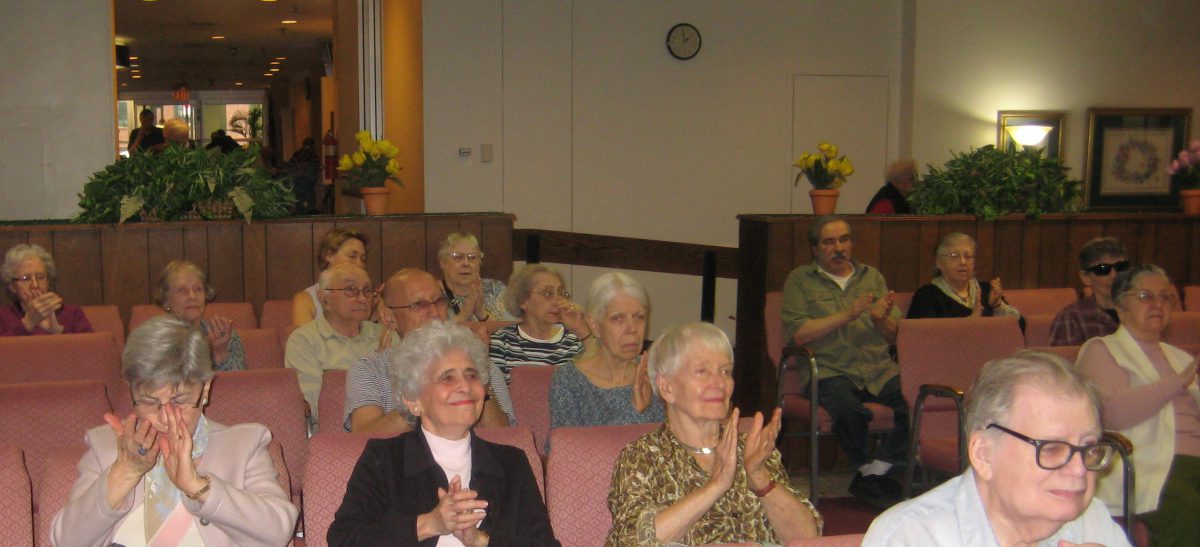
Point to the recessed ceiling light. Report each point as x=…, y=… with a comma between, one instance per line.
x=123, y=84
x=133, y=57
x=274, y=62
x=238, y=83
x=277, y=58
x=218, y=37
x=268, y=0
x=274, y=70
x=288, y=21
x=137, y=76
x=268, y=74
x=134, y=65
x=136, y=70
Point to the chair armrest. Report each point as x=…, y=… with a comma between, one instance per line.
x=947, y=392
x=788, y=360
x=1125, y=449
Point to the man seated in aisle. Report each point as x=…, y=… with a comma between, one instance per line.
x=1027, y=417
x=842, y=311
x=411, y=299
x=1100, y=260
x=338, y=337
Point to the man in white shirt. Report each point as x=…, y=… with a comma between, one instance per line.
x=1028, y=416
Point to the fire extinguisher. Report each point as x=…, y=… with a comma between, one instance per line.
x=329, y=143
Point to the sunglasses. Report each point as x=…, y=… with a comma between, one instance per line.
x=1103, y=269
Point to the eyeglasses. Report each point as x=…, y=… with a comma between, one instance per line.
x=40, y=278
x=1052, y=455
x=147, y=405
x=1148, y=297
x=353, y=292
x=550, y=294
x=1102, y=269
x=965, y=257
x=422, y=306
x=469, y=257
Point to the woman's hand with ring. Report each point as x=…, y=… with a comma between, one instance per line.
x=137, y=452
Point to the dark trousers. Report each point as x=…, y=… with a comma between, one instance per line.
x=851, y=420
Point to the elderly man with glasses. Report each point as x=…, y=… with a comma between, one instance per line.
x=1100, y=260
x=411, y=299
x=1028, y=416
x=340, y=335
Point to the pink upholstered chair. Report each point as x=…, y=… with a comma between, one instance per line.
x=578, y=478
x=240, y=313
x=16, y=498
x=1191, y=298
x=1184, y=328
x=848, y=540
x=270, y=397
x=1037, y=329
x=519, y=437
x=332, y=401
x=1070, y=353
x=88, y=356
x=530, y=391
x=262, y=348
x=277, y=314
x=1040, y=301
x=903, y=300
x=107, y=318
x=40, y=417
x=789, y=393
x=331, y=460
x=941, y=358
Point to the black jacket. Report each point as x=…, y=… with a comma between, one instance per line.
x=396, y=479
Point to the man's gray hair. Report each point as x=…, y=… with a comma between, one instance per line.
x=410, y=361
x=520, y=287
x=667, y=353
x=608, y=286
x=814, y=231
x=166, y=351
x=328, y=274
x=991, y=398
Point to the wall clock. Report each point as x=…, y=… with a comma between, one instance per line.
x=683, y=41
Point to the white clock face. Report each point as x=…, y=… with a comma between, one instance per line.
x=683, y=41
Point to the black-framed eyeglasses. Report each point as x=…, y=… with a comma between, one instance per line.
x=353, y=292
x=149, y=404
x=1052, y=455
x=422, y=306
x=1102, y=268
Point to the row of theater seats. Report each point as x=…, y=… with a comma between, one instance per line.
x=276, y=317
x=45, y=421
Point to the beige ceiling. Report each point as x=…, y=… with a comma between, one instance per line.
x=173, y=41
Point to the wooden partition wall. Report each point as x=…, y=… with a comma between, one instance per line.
x=264, y=260
x=1022, y=252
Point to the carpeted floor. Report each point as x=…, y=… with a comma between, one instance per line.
x=843, y=514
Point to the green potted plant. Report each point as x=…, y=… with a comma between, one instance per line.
x=1186, y=168
x=987, y=183
x=369, y=169
x=826, y=172
x=183, y=184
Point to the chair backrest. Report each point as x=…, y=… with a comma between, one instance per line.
x=107, y=318
x=270, y=397
x=578, y=478
x=1191, y=298
x=240, y=313
x=1037, y=329
x=903, y=301
x=847, y=540
x=16, y=498
x=951, y=351
x=277, y=314
x=530, y=391
x=1040, y=301
x=333, y=399
x=522, y=438
x=773, y=326
x=62, y=357
x=1070, y=353
x=262, y=348
x=42, y=416
x=331, y=460
x=1184, y=328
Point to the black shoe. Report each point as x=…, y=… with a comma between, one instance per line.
x=878, y=491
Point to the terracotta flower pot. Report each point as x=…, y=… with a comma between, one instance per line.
x=1190, y=200
x=375, y=200
x=824, y=202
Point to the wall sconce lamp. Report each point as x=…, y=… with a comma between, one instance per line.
x=1030, y=129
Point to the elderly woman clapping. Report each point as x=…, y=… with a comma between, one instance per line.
x=166, y=473
x=183, y=291
x=28, y=271
x=1149, y=393
x=954, y=291
x=440, y=483
x=472, y=297
x=695, y=480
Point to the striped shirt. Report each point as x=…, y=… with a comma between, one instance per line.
x=513, y=347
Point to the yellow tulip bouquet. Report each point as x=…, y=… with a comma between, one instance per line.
x=824, y=170
x=372, y=165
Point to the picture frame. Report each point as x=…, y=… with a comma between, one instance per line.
x=1051, y=145
x=1128, y=152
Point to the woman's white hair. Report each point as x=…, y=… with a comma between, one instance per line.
x=608, y=286
x=410, y=361
x=20, y=253
x=166, y=351
x=949, y=240
x=458, y=237
x=669, y=351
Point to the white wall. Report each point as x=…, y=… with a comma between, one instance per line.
x=975, y=58
x=57, y=119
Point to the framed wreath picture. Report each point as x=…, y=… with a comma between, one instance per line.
x=1129, y=150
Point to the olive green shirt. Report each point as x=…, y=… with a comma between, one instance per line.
x=856, y=350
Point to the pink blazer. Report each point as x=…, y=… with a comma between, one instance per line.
x=245, y=505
